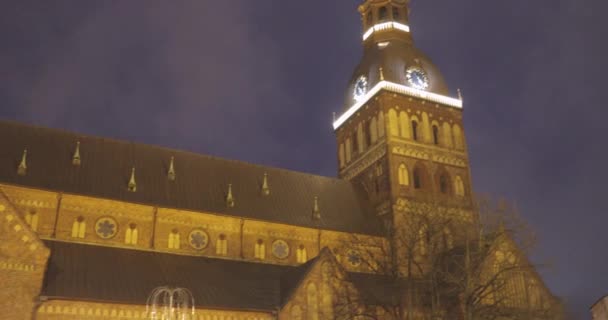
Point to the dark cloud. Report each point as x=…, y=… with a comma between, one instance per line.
x=258, y=81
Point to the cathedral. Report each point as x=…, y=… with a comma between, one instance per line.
x=90, y=226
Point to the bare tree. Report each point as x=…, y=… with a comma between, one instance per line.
x=436, y=259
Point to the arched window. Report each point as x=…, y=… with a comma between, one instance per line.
x=368, y=134
x=404, y=123
x=443, y=184
x=422, y=240
x=360, y=139
x=415, y=130
x=312, y=301
x=381, y=124
x=393, y=122
x=221, y=245
x=174, y=240
x=417, y=178
x=459, y=186
x=31, y=218
x=404, y=176
x=382, y=14
x=349, y=149
x=79, y=228
x=448, y=239
x=435, y=135
x=131, y=234
x=373, y=131
x=458, y=140
x=260, y=250
x=302, y=257
x=395, y=13
x=341, y=155
x=370, y=18
x=447, y=135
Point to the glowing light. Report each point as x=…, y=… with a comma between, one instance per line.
x=385, y=26
x=397, y=88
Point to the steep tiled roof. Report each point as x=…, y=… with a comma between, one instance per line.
x=201, y=183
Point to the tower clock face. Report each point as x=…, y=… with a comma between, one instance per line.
x=417, y=78
x=360, y=88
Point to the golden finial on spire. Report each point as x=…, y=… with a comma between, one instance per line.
x=76, y=156
x=265, y=187
x=22, y=168
x=171, y=173
x=132, y=187
x=316, y=212
x=381, y=74
x=230, y=202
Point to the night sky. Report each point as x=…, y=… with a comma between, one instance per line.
x=258, y=81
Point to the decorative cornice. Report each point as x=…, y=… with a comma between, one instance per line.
x=364, y=161
x=413, y=153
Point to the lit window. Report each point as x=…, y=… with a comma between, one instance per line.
x=221, y=246
x=260, y=250
x=301, y=254
x=79, y=228
x=459, y=186
x=31, y=218
x=404, y=177
x=174, y=240
x=131, y=234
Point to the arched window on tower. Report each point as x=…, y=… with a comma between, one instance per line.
x=415, y=130
x=396, y=15
x=370, y=18
x=368, y=135
x=417, y=178
x=79, y=228
x=131, y=234
x=435, y=135
x=404, y=176
x=459, y=186
x=393, y=122
x=31, y=218
x=382, y=14
x=444, y=186
x=373, y=130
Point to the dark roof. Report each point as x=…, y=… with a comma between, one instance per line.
x=104, y=274
x=201, y=184
x=115, y=275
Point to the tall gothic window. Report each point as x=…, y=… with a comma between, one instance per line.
x=221, y=246
x=415, y=130
x=31, y=218
x=395, y=13
x=404, y=177
x=443, y=184
x=260, y=250
x=131, y=234
x=79, y=228
x=382, y=14
x=302, y=257
x=435, y=135
x=417, y=178
x=174, y=240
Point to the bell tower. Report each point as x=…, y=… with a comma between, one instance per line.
x=400, y=133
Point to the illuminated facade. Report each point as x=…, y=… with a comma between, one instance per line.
x=90, y=226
